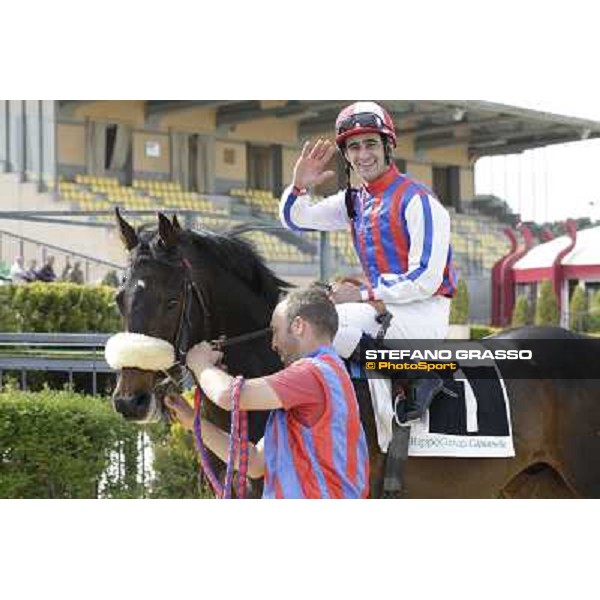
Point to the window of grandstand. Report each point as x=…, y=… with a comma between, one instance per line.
x=446, y=185
x=195, y=183
x=265, y=167
x=198, y=174
x=229, y=156
x=111, y=138
x=118, y=152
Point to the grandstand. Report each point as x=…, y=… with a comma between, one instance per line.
x=221, y=164
x=261, y=202
x=477, y=239
x=94, y=193
x=477, y=242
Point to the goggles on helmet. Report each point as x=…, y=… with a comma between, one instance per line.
x=361, y=120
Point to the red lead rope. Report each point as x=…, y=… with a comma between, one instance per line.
x=238, y=444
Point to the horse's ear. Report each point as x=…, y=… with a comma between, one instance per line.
x=126, y=231
x=166, y=231
x=175, y=222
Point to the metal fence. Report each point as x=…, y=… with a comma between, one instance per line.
x=18, y=354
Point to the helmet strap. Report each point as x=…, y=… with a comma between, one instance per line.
x=387, y=148
x=349, y=197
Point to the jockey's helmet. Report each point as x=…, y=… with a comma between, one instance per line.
x=363, y=117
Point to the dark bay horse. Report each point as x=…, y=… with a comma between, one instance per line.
x=556, y=423
x=238, y=294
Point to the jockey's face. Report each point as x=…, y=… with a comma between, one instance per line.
x=366, y=154
x=286, y=339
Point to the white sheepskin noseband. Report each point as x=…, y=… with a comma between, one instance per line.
x=136, y=350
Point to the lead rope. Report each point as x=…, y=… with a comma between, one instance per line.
x=238, y=444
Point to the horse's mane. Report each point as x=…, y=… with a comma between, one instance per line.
x=232, y=254
x=240, y=258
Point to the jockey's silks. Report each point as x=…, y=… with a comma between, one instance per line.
x=329, y=459
x=401, y=234
x=382, y=236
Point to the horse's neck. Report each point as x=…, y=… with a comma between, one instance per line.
x=236, y=309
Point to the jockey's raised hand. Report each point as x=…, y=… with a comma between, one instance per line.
x=310, y=169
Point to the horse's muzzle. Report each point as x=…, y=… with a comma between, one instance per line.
x=137, y=407
x=134, y=397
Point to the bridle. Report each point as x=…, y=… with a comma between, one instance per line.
x=176, y=374
x=238, y=438
x=190, y=291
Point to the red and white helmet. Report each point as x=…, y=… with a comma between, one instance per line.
x=363, y=117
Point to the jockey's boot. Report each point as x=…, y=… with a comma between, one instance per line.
x=421, y=391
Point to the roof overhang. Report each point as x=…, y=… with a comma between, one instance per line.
x=485, y=128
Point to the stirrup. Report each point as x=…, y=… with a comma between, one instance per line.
x=400, y=409
x=415, y=408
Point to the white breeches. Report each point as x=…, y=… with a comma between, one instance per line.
x=424, y=320
x=427, y=319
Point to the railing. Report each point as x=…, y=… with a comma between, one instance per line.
x=14, y=349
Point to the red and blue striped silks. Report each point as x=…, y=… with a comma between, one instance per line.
x=329, y=459
x=381, y=235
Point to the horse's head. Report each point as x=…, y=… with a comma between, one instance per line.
x=160, y=307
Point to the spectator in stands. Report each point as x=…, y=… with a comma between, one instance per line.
x=66, y=272
x=31, y=273
x=401, y=234
x=76, y=275
x=18, y=273
x=46, y=273
x=111, y=278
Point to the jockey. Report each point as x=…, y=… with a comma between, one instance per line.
x=401, y=234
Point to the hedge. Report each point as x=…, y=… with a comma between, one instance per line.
x=594, y=313
x=60, y=445
x=176, y=463
x=480, y=331
x=546, y=307
x=58, y=307
x=521, y=310
x=176, y=466
x=459, y=309
x=578, y=310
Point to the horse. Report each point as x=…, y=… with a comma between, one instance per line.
x=555, y=423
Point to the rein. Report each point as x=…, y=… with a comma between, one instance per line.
x=224, y=342
x=238, y=445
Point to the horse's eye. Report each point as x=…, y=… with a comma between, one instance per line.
x=172, y=303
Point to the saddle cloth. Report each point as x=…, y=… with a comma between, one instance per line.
x=474, y=424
